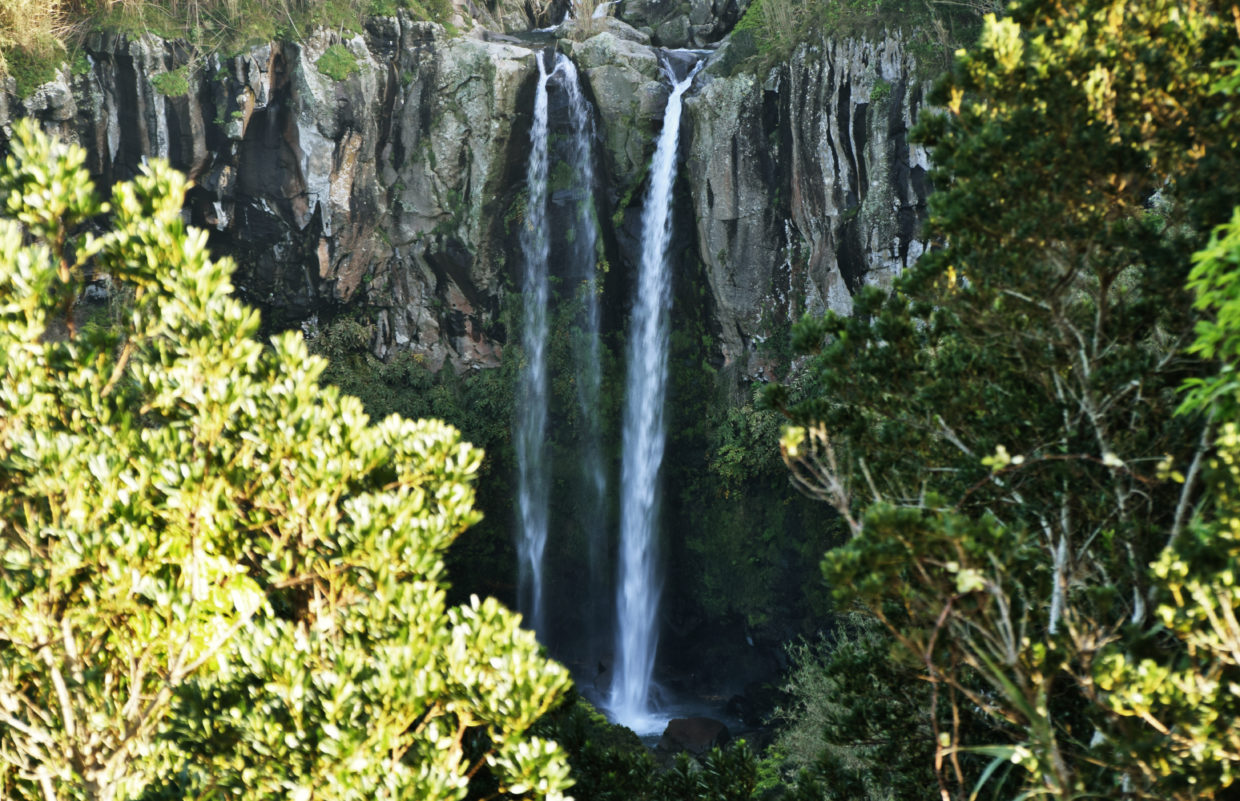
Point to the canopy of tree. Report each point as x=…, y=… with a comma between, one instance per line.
x=1006, y=435
x=217, y=578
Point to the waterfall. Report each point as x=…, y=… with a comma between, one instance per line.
x=586, y=351
x=637, y=596
x=530, y=437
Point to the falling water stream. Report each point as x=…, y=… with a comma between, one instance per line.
x=530, y=436
x=638, y=590
x=585, y=351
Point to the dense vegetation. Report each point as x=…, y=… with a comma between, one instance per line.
x=1037, y=513
x=770, y=30
x=218, y=578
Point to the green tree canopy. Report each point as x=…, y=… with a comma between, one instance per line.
x=217, y=578
x=999, y=433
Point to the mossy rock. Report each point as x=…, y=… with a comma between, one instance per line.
x=31, y=70
x=338, y=63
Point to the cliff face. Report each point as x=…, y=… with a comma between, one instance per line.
x=804, y=187
x=397, y=190
x=384, y=190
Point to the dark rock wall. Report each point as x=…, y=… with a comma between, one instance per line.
x=398, y=190
x=805, y=187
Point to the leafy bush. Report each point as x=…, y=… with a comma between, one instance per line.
x=722, y=774
x=609, y=762
x=216, y=576
x=478, y=403
x=856, y=725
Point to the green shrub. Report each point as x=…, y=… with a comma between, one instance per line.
x=609, y=762
x=846, y=698
x=174, y=83
x=217, y=577
x=337, y=63
x=722, y=774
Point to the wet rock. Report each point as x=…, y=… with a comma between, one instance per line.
x=630, y=93
x=580, y=31
x=755, y=705
x=691, y=23
x=696, y=735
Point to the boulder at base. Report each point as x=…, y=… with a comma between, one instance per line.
x=695, y=735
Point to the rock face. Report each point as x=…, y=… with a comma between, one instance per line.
x=695, y=735
x=393, y=190
x=629, y=93
x=690, y=23
x=804, y=187
x=384, y=189
x=397, y=190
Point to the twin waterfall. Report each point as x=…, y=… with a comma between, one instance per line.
x=643, y=429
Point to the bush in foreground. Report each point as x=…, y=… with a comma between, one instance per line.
x=218, y=578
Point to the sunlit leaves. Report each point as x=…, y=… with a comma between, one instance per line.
x=216, y=576
x=1003, y=424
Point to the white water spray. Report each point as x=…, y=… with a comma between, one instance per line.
x=530, y=437
x=637, y=596
x=585, y=349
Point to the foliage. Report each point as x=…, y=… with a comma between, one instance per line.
x=609, y=762
x=749, y=537
x=1186, y=695
x=479, y=404
x=337, y=63
x=174, y=83
x=743, y=545
x=741, y=449
x=30, y=70
x=216, y=577
x=34, y=34
x=999, y=433
x=722, y=774
x=853, y=727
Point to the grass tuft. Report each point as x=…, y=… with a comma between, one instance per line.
x=337, y=63
x=174, y=83
x=32, y=34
